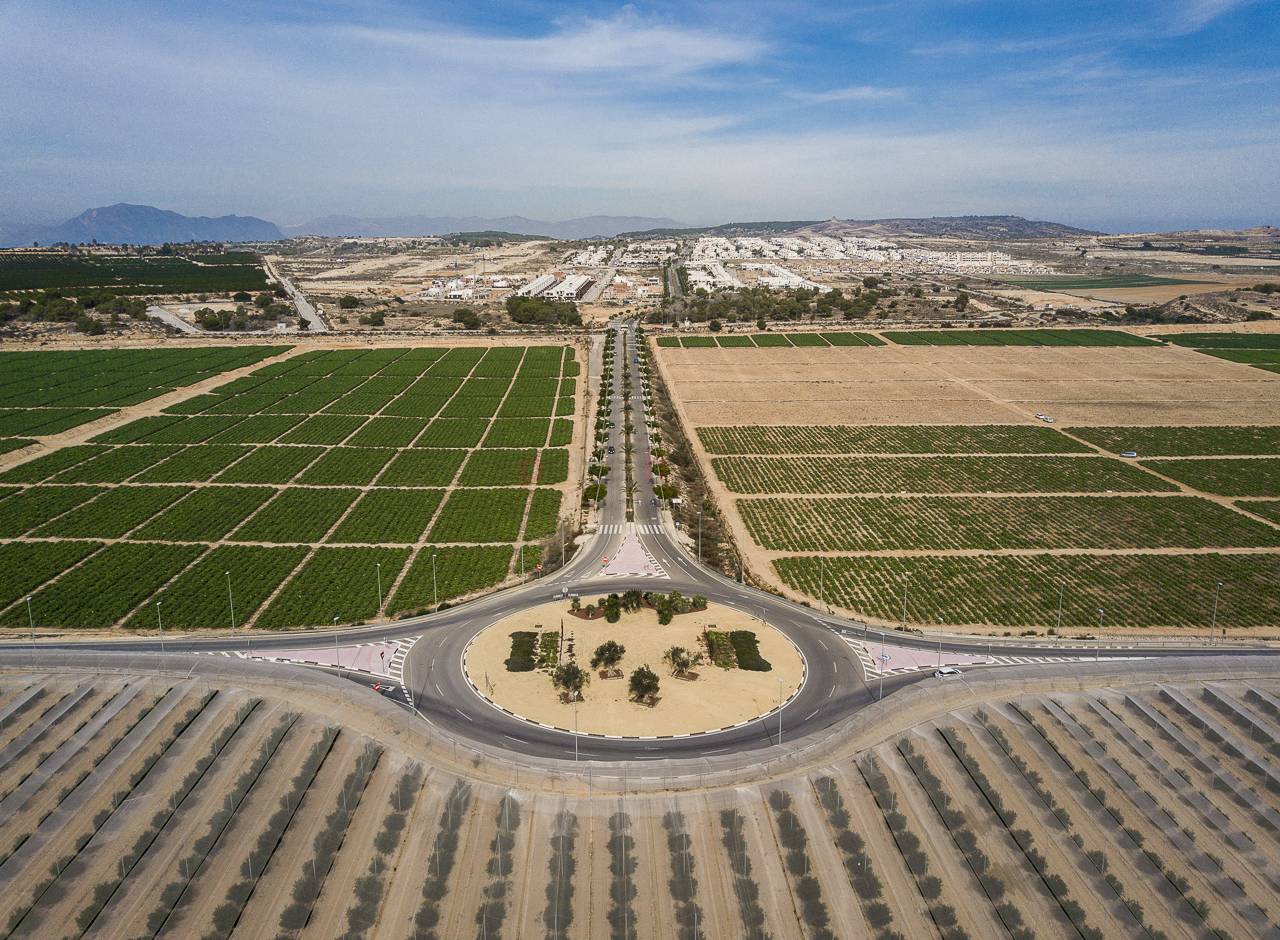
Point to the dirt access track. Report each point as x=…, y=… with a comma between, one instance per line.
x=373, y=821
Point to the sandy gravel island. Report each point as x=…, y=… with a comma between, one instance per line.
x=718, y=698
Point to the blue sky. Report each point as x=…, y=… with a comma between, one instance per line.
x=1136, y=115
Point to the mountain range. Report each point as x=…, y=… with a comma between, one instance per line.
x=987, y=227
x=592, y=226
x=126, y=224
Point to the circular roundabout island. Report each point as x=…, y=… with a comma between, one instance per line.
x=708, y=669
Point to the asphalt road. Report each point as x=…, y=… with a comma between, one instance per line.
x=836, y=686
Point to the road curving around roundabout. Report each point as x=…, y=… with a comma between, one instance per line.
x=708, y=700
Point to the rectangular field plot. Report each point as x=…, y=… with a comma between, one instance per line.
x=257, y=429
x=26, y=509
x=518, y=432
x=206, y=515
x=553, y=467
x=298, y=514
x=544, y=514
x=113, y=377
x=347, y=466
x=933, y=475
x=8, y=444
x=1225, y=477
x=45, y=466
x=106, y=587
x=852, y=339
x=423, y=468
x=735, y=342
x=453, y=432
x=188, y=430
x=388, y=432
x=270, y=464
x=499, y=468
x=807, y=339
x=459, y=570
x=480, y=516
x=1224, y=340
x=202, y=597
x=941, y=522
x=113, y=513
x=1048, y=337
x=1018, y=591
x=42, y=422
x=886, y=439
x=26, y=565
x=1186, y=441
x=389, y=517
x=324, y=429
x=339, y=583
x=116, y=465
x=195, y=464
x=1266, y=508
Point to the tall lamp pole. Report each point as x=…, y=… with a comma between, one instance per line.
x=378, y=565
x=1213, y=624
x=160, y=623
x=435, y=590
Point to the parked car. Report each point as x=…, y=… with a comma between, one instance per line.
x=947, y=672
x=1129, y=453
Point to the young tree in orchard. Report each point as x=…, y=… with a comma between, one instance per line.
x=607, y=655
x=571, y=677
x=644, y=684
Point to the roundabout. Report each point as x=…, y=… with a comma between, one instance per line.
x=718, y=690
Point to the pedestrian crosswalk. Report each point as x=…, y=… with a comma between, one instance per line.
x=880, y=659
x=624, y=528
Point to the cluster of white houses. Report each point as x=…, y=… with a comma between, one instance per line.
x=554, y=287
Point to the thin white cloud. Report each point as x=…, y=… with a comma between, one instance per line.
x=623, y=43
x=1188, y=16
x=850, y=93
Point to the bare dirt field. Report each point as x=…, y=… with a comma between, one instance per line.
x=1003, y=570
x=157, y=805
x=718, y=698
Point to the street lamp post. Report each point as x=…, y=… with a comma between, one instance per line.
x=904, y=601
x=779, y=711
x=435, y=590
x=699, y=536
x=231, y=604
x=31, y=620
x=1213, y=623
x=1097, y=650
x=337, y=653
x=378, y=566
x=160, y=623
x=1058, y=627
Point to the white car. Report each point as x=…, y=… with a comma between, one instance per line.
x=947, y=672
x=1129, y=453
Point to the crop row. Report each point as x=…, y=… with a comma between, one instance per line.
x=499, y=468
x=114, y=377
x=113, y=513
x=544, y=514
x=458, y=571
x=1186, y=441
x=942, y=522
x=1224, y=476
x=1048, y=337
x=886, y=439
x=23, y=509
x=1130, y=590
x=933, y=475
x=24, y=566
x=105, y=587
x=222, y=590
x=297, y=514
x=480, y=516
x=387, y=517
x=339, y=583
x=770, y=340
x=45, y=421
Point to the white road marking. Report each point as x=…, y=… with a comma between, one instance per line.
x=462, y=713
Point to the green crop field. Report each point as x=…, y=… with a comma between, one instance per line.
x=886, y=439
x=355, y=447
x=945, y=523
x=456, y=572
x=1186, y=441
x=1067, y=282
x=1260, y=350
x=1012, y=591
x=933, y=475
x=129, y=274
x=1249, y=476
x=1048, y=337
